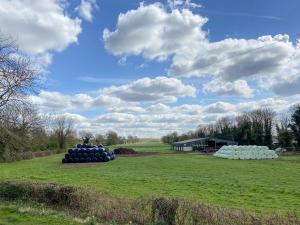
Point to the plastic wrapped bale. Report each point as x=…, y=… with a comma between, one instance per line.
x=246, y=152
x=88, y=153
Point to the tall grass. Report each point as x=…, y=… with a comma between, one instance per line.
x=158, y=211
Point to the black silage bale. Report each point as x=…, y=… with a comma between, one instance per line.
x=88, y=159
x=70, y=160
x=106, y=159
x=63, y=160
x=100, y=146
x=67, y=156
x=70, y=150
x=78, y=145
x=93, y=159
x=84, y=155
x=97, y=155
x=81, y=160
x=104, y=154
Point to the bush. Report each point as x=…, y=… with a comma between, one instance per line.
x=164, y=211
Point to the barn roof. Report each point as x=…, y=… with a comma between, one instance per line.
x=204, y=139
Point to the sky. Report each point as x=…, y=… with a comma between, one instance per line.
x=148, y=68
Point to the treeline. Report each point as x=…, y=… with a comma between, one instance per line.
x=257, y=127
x=23, y=132
x=109, y=138
x=22, y=129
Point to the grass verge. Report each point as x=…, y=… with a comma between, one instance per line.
x=156, y=211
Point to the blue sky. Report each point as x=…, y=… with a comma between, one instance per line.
x=161, y=65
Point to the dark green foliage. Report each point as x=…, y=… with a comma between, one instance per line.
x=12, y=190
x=251, y=128
x=295, y=123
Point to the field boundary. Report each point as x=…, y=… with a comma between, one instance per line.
x=162, y=210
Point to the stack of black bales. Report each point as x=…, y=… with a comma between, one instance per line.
x=84, y=153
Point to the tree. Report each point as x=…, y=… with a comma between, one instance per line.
x=17, y=74
x=86, y=136
x=170, y=138
x=100, y=139
x=295, y=123
x=62, y=128
x=112, y=138
x=283, y=132
x=17, y=124
x=223, y=128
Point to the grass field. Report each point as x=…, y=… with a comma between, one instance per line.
x=14, y=214
x=259, y=186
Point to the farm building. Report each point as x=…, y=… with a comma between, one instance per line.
x=201, y=144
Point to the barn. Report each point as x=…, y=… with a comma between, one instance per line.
x=201, y=144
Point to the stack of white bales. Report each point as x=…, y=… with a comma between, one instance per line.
x=246, y=152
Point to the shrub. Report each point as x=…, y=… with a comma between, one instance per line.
x=157, y=211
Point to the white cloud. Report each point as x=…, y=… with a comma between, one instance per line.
x=153, y=32
x=270, y=62
x=85, y=9
x=118, y=99
x=233, y=59
x=158, y=119
x=182, y=4
x=150, y=90
x=58, y=102
x=221, y=87
x=38, y=26
x=219, y=107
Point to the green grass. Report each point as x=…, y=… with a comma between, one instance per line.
x=14, y=214
x=260, y=186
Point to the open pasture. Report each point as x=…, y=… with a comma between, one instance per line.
x=256, y=185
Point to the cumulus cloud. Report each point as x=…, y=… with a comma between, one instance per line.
x=158, y=119
x=85, y=9
x=38, y=26
x=154, y=32
x=270, y=61
x=150, y=90
x=56, y=101
x=224, y=88
x=117, y=98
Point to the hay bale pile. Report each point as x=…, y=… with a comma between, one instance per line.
x=124, y=151
x=84, y=153
x=246, y=152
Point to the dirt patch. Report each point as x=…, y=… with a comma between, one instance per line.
x=124, y=151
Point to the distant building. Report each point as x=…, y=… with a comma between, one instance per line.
x=201, y=144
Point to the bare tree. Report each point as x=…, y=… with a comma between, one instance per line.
x=62, y=128
x=18, y=77
x=100, y=139
x=86, y=136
